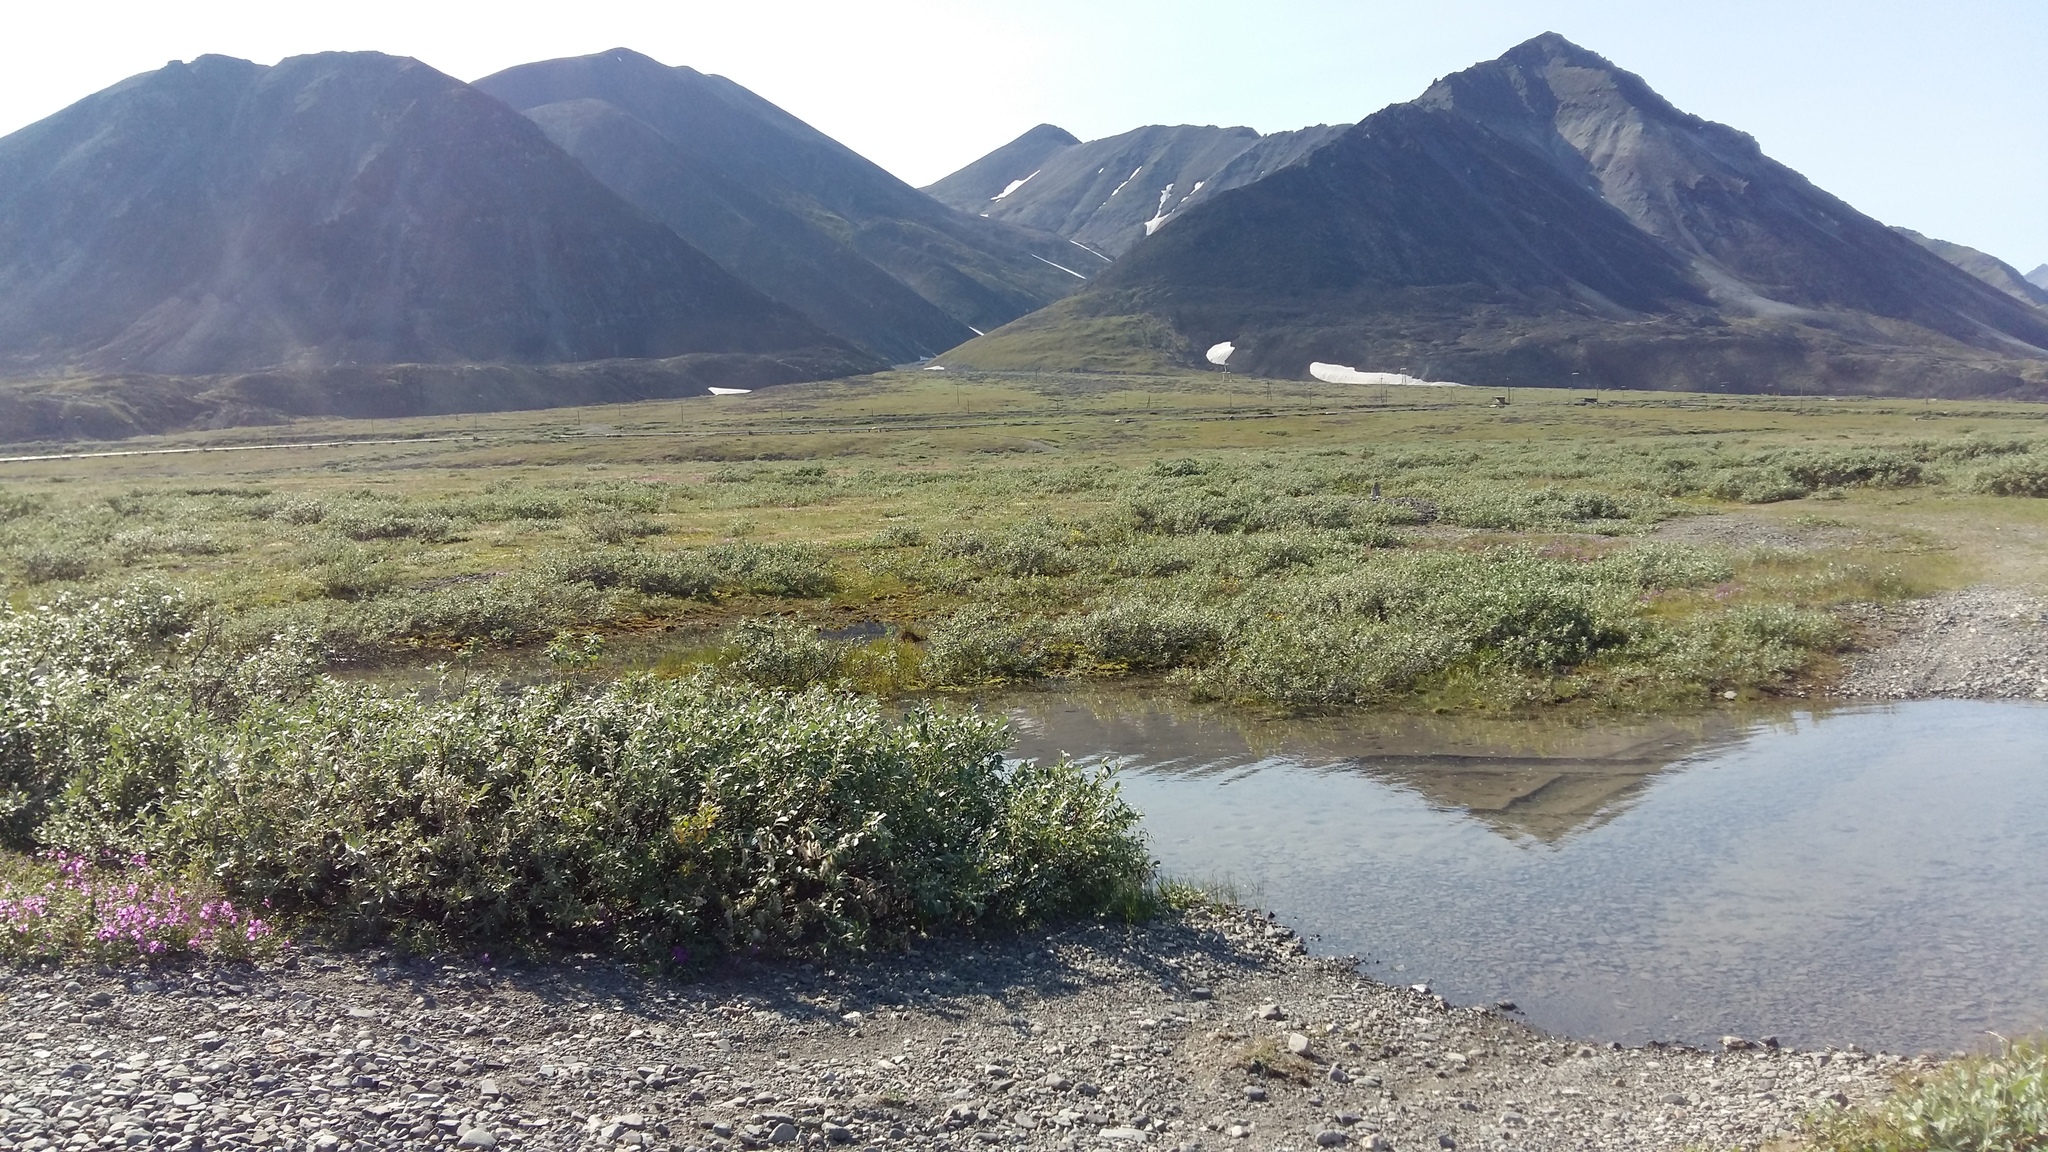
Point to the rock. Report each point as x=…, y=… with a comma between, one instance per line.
x=837, y=1133
x=1505, y=1005
x=488, y=1087
x=185, y=1099
x=1331, y=1138
x=1237, y=1131
x=477, y=1138
x=1128, y=1135
x=1446, y=1141
x=1676, y=1099
x=1271, y=1012
x=1255, y=1094
x=1735, y=1044
x=1378, y=1143
x=783, y=1133
x=325, y=1141
x=1338, y=1075
x=1199, y=993
x=1297, y=1043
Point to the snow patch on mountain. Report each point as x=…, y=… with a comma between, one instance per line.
x=1061, y=267
x=1014, y=185
x=1345, y=374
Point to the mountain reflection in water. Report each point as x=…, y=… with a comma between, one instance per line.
x=1868, y=875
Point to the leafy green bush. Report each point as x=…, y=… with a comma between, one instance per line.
x=774, y=569
x=361, y=525
x=15, y=505
x=1996, y=1103
x=50, y=563
x=1753, y=485
x=984, y=645
x=1862, y=467
x=777, y=653
x=684, y=575
x=1143, y=634
x=658, y=817
x=2016, y=478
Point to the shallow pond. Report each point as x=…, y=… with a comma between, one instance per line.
x=1875, y=876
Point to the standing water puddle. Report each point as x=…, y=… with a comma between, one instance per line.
x=1876, y=876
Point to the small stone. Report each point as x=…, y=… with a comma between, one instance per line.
x=1505, y=1005
x=1513, y=1120
x=1676, y=1099
x=488, y=1087
x=1056, y=1082
x=783, y=1133
x=1255, y=1094
x=185, y=1099
x=1338, y=1075
x=1087, y=1089
x=477, y=1138
x=853, y=1018
x=1378, y=1143
x=1297, y=1043
x=632, y=1120
x=838, y=1134
x=1445, y=1141
x=325, y=1141
x=1271, y=1012
x=1728, y=695
x=1735, y=1044
x=1200, y=993
x=1237, y=1131
x=1128, y=1135
x=1331, y=1138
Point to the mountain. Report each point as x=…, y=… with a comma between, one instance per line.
x=334, y=211
x=1107, y=195
x=793, y=212
x=972, y=188
x=2039, y=277
x=1984, y=266
x=1546, y=219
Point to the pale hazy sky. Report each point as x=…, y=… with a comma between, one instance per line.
x=1931, y=115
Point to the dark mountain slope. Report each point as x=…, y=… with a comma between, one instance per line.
x=783, y=253
x=771, y=169
x=334, y=210
x=1109, y=194
x=1547, y=219
x=1984, y=266
x=971, y=188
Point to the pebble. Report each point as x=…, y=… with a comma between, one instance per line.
x=1059, y=1042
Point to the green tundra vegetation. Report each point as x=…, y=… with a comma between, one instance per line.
x=673, y=677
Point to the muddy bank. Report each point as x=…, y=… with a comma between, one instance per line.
x=1213, y=1032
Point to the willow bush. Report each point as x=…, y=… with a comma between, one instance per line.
x=657, y=816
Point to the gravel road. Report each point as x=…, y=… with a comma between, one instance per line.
x=1216, y=1032
x=1978, y=643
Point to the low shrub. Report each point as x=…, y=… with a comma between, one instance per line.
x=1144, y=635
x=982, y=645
x=1994, y=1103
x=360, y=525
x=652, y=816
x=683, y=575
x=2014, y=478
x=776, y=653
x=166, y=541
x=51, y=563
x=799, y=570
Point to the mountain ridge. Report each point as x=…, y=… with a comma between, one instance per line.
x=1547, y=218
x=338, y=209
x=799, y=215
x=1106, y=195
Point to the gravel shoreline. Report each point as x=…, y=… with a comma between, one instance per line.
x=1982, y=643
x=1215, y=1030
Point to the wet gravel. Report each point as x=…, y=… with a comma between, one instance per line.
x=1218, y=1031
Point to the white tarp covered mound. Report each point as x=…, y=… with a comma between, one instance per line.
x=1343, y=374
x=1220, y=353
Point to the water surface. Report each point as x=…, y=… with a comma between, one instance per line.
x=1872, y=875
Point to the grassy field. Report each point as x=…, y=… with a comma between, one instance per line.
x=1294, y=546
